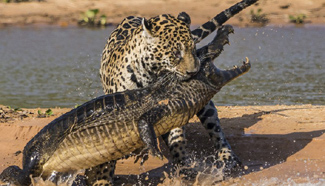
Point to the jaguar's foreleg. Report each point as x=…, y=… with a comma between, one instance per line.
x=225, y=157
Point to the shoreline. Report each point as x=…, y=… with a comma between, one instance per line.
x=67, y=13
x=278, y=141
x=44, y=25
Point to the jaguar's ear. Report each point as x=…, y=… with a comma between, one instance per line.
x=184, y=17
x=147, y=27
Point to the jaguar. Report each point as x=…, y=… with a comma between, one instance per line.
x=135, y=55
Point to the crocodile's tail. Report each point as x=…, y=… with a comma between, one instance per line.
x=204, y=30
x=222, y=77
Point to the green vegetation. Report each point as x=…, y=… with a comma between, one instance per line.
x=299, y=19
x=259, y=17
x=17, y=109
x=14, y=109
x=102, y=20
x=90, y=15
x=89, y=19
x=47, y=113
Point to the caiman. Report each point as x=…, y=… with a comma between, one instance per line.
x=112, y=126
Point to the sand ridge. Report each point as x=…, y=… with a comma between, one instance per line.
x=68, y=12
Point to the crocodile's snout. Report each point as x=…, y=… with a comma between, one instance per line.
x=218, y=78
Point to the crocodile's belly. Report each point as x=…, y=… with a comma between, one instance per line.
x=89, y=147
x=93, y=146
x=181, y=113
x=166, y=124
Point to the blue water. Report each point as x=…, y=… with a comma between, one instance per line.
x=50, y=66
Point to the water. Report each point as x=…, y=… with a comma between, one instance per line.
x=48, y=67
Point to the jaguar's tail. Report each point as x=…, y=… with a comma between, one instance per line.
x=204, y=30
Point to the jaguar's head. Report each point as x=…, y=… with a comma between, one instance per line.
x=172, y=45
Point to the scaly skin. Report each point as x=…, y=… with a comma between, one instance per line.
x=112, y=126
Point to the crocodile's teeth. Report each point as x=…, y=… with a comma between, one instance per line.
x=247, y=61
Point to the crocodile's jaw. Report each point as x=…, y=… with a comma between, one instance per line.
x=218, y=78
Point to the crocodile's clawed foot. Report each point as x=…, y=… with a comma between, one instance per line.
x=215, y=47
x=154, y=151
x=222, y=36
x=143, y=155
x=228, y=29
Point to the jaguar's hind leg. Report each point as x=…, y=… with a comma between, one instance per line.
x=177, y=145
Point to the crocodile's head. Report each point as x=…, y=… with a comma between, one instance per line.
x=217, y=78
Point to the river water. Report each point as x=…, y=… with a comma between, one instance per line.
x=50, y=66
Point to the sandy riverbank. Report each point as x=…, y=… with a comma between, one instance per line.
x=68, y=12
x=279, y=144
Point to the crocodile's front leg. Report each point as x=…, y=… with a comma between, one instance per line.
x=149, y=138
x=146, y=129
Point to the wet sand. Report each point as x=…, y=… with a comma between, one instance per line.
x=277, y=144
x=68, y=12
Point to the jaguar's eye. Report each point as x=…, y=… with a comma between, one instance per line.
x=178, y=54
